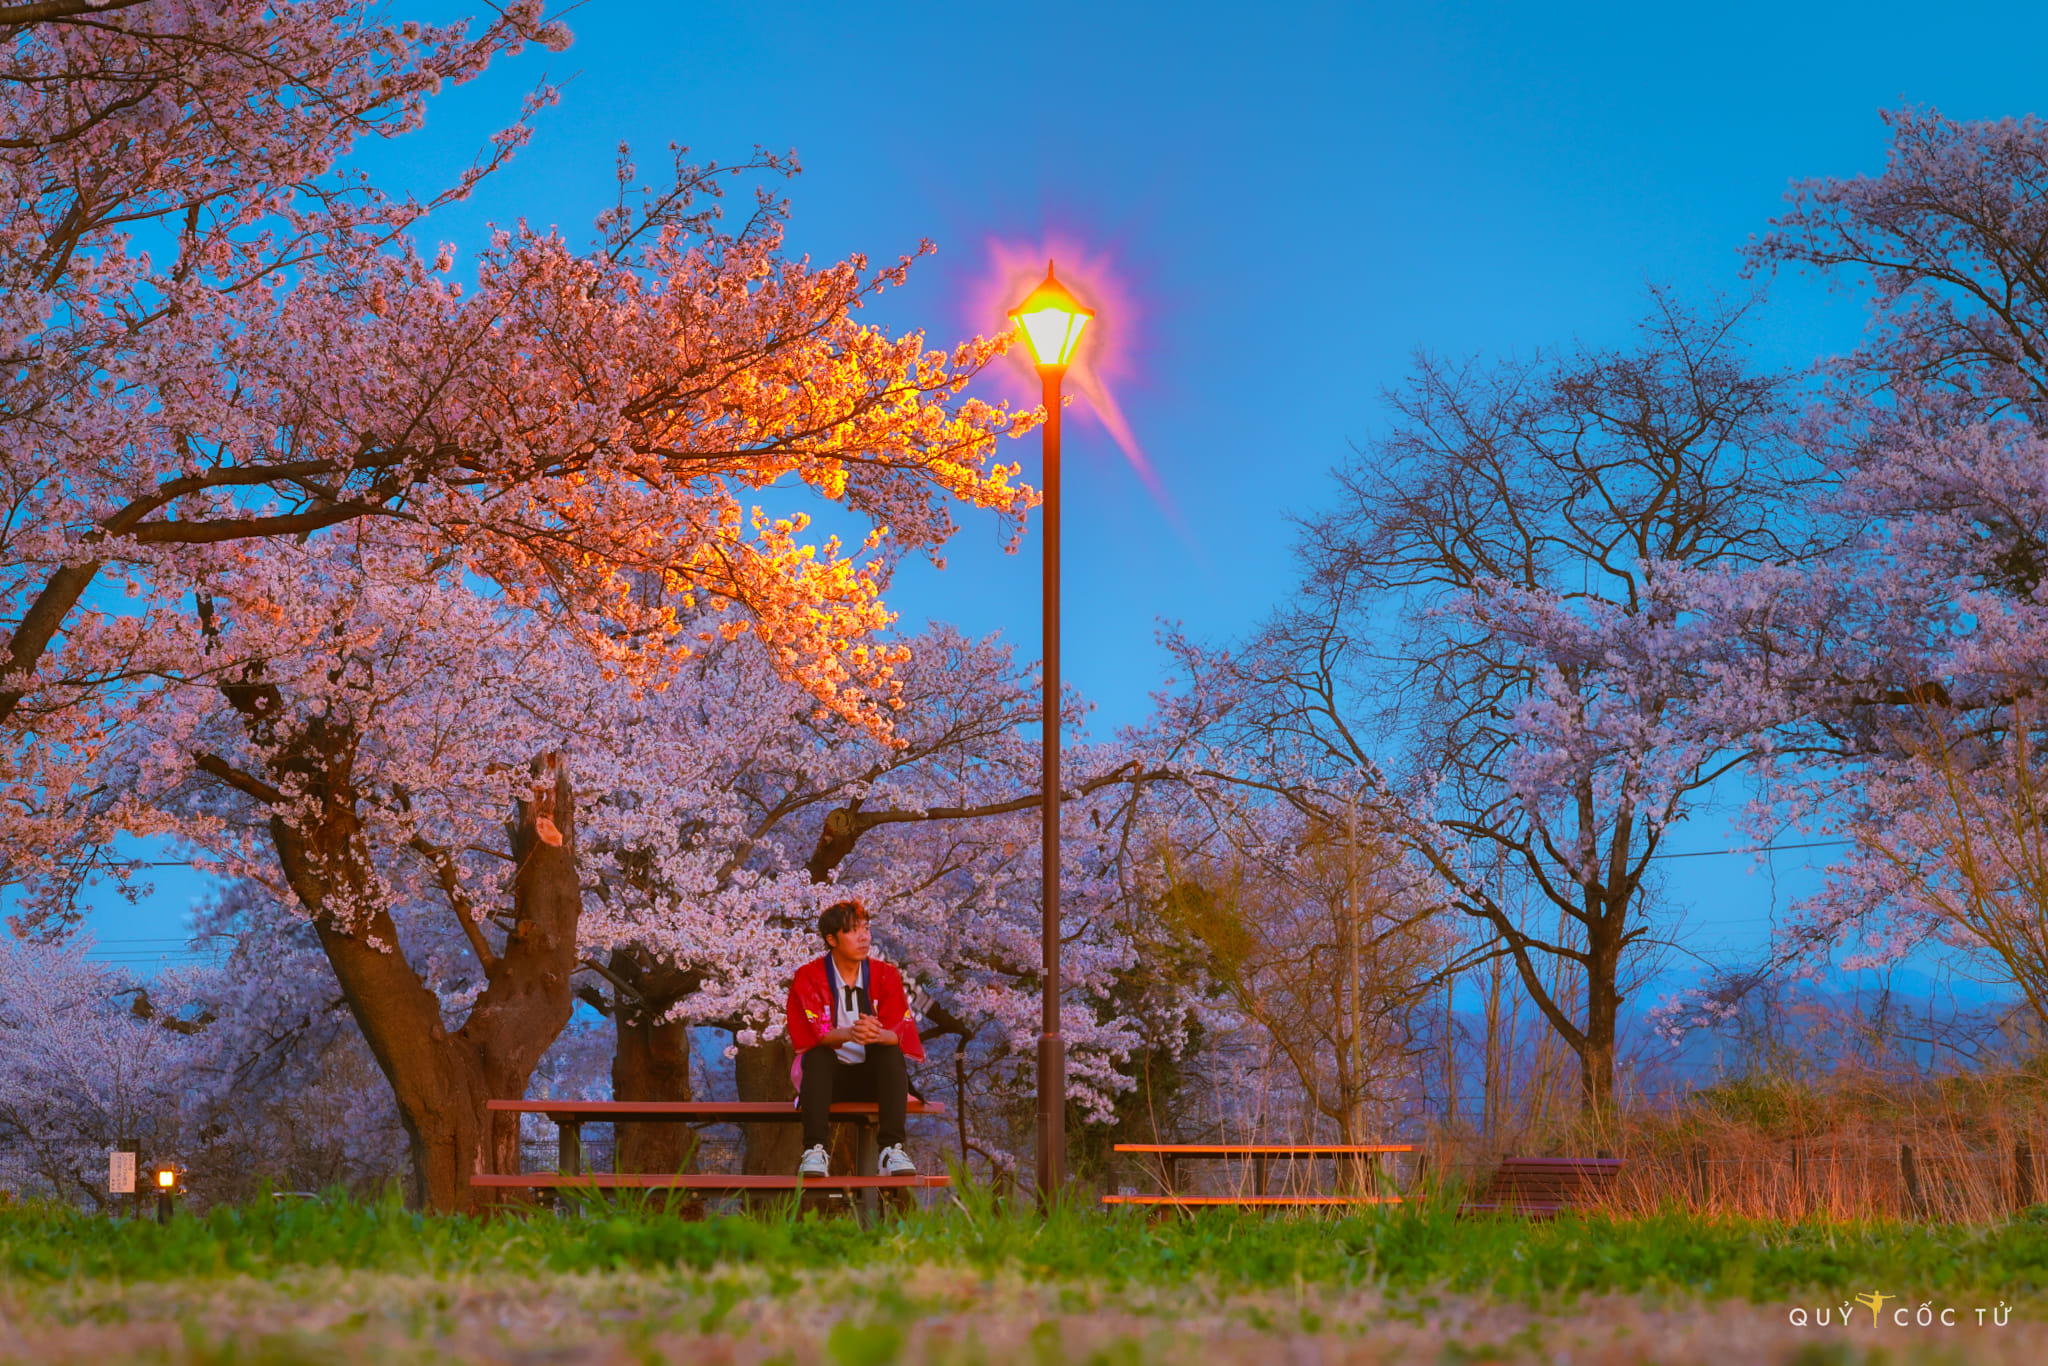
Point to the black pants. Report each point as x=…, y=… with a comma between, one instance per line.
x=879, y=1077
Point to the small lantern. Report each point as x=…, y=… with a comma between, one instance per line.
x=168, y=1180
x=1052, y=321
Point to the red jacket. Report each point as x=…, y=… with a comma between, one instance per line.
x=809, y=1009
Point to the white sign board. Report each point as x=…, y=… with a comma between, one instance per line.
x=121, y=1173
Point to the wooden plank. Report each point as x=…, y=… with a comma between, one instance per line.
x=1262, y=1149
x=1251, y=1199
x=1544, y=1187
x=701, y=1111
x=698, y=1181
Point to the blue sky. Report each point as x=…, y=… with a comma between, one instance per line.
x=1281, y=203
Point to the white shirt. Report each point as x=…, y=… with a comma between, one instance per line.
x=846, y=1010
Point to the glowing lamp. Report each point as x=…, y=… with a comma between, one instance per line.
x=1052, y=321
x=169, y=1180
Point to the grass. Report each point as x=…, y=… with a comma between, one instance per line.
x=1406, y=1250
x=975, y=1283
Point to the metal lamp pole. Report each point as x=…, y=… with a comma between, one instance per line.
x=1052, y=1048
x=1052, y=321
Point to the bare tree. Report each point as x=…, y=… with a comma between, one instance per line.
x=1329, y=944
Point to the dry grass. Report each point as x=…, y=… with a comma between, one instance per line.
x=1852, y=1147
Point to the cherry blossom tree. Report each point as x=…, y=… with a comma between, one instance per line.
x=378, y=711
x=1328, y=938
x=276, y=1084
x=212, y=133
x=1908, y=659
x=291, y=362
x=244, y=1067
x=291, y=432
x=712, y=896
x=87, y=1066
x=1495, y=642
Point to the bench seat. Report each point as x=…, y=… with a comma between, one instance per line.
x=705, y=1181
x=570, y=1116
x=695, y=1111
x=1544, y=1187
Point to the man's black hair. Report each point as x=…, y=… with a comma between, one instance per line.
x=839, y=918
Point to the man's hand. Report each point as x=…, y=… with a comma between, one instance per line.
x=868, y=1029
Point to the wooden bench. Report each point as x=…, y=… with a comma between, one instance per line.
x=1171, y=1155
x=699, y=1181
x=570, y=1116
x=1544, y=1187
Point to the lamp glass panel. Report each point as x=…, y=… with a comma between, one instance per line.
x=1053, y=333
x=166, y=1178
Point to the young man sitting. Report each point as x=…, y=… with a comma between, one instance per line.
x=850, y=1022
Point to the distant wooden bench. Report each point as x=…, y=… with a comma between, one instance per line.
x=1171, y=1155
x=1544, y=1187
x=570, y=1116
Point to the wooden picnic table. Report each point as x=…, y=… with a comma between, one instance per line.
x=570, y=1116
x=1171, y=1155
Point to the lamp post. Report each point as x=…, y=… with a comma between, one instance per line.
x=1052, y=321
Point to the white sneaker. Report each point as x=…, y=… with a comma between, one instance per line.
x=817, y=1162
x=895, y=1162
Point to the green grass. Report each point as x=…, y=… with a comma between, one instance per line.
x=1405, y=1250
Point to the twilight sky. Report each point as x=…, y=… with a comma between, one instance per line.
x=1271, y=211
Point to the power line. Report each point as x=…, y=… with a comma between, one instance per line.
x=160, y=939
x=1758, y=849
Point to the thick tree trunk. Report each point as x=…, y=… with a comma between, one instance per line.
x=651, y=1061
x=1593, y=1043
x=1597, y=1045
x=438, y=1086
x=441, y=1080
x=1597, y=1050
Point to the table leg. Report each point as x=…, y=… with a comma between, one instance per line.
x=1259, y=1168
x=569, y=1138
x=1169, y=1167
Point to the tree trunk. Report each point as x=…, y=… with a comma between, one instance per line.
x=1596, y=1049
x=440, y=1080
x=1596, y=1079
x=651, y=1061
x=762, y=1073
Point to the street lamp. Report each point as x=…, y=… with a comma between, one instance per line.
x=1052, y=321
x=169, y=1179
